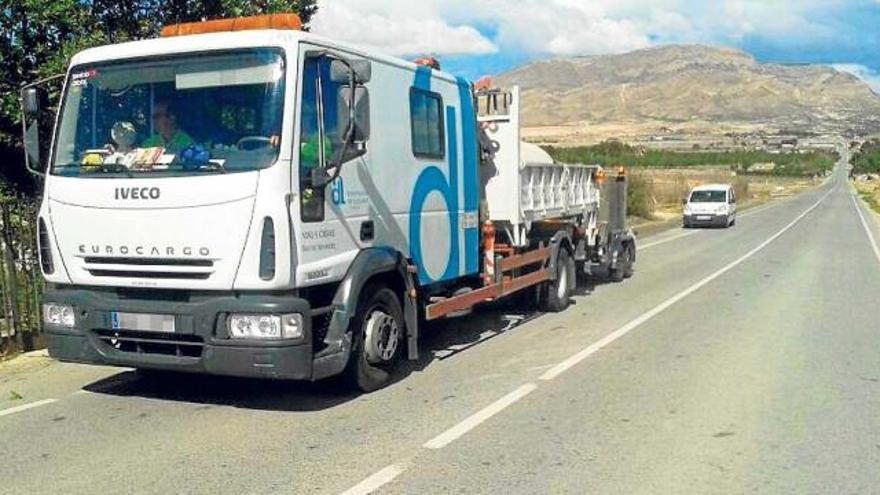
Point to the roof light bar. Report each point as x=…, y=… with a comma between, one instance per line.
x=268, y=21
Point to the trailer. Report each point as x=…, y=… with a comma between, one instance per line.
x=543, y=225
x=242, y=198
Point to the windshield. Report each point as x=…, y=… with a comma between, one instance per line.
x=182, y=115
x=708, y=197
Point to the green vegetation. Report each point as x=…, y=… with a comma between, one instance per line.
x=614, y=153
x=639, y=200
x=866, y=160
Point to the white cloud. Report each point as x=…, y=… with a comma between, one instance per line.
x=562, y=27
x=870, y=76
x=408, y=31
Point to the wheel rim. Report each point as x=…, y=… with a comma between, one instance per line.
x=381, y=336
x=562, y=287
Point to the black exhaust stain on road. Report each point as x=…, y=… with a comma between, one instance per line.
x=58, y=418
x=722, y=434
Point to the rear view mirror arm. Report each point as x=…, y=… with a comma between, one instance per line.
x=349, y=131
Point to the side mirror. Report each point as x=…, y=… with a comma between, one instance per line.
x=361, y=111
x=339, y=72
x=684, y=201
x=33, y=100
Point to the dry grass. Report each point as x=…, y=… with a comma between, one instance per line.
x=869, y=191
x=665, y=188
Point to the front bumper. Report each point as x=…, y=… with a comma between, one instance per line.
x=710, y=219
x=200, y=342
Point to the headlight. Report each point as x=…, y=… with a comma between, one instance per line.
x=687, y=209
x=721, y=210
x=59, y=315
x=243, y=326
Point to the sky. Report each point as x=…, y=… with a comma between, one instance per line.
x=484, y=37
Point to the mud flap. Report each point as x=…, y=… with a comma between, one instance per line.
x=410, y=310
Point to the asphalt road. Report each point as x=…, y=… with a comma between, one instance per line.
x=739, y=360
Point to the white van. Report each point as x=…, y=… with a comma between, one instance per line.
x=710, y=204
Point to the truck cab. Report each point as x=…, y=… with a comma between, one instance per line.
x=213, y=202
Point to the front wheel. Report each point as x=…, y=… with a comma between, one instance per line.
x=377, y=330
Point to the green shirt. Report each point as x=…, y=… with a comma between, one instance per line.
x=177, y=143
x=308, y=154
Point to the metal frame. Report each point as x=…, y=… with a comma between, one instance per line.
x=502, y=287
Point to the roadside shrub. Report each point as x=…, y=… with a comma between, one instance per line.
x=639, y=200
x=741, y=187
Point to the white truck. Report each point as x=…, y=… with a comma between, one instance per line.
x=240, y=197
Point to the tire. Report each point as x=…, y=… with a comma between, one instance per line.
x=556, y=294
x=629, y=269
x=624, y=265
x=378, y=331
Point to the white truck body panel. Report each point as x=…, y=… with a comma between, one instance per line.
x=527, y=185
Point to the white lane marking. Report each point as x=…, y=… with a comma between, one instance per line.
x=25, y=407
x=480, y=416
x=867, y=229
x=620, y=332
x=376, y=480
x=664, y=241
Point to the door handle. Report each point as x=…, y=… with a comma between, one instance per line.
x=367, y=231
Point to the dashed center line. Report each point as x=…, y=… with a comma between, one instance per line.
x=477, y=418
x=377, y=480
x=25, y=407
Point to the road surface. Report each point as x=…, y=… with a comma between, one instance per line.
x=740, y=360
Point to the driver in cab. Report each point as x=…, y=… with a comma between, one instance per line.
x=168, y=135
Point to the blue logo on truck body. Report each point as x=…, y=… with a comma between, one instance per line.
x=433, y=179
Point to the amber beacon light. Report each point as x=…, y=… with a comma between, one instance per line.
x=268, y=21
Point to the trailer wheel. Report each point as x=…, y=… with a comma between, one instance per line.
x=624, y=267
x=377, y=330
x=629, y=269
x=556, y=294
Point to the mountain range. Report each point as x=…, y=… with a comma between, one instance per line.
x=692, y=88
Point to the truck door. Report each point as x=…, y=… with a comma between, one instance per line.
x=332, y=228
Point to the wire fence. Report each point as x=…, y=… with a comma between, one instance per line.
x=21, y=283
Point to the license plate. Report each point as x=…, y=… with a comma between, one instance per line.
x=141, y=322
x=704, y=217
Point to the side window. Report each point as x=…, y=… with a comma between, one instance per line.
x=320, y=133
x=426, y=119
